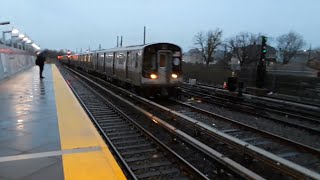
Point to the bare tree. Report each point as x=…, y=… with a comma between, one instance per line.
x=289, y=44
x=243, y=46
x=208, y=43
x=317, y=53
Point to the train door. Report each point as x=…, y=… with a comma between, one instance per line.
x=89, y=60
x=92, y=61
x=79, y=61
x=85, y=61
x=164, y=65
x=97, y=62
x=113, y=63
x=104, y=62
x=82, y=59
x=127, y=64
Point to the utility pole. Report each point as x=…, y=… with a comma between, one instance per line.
x=121, y=42
x=117, y=41
x=99, y=46
x=144, y=35
x=309, y=54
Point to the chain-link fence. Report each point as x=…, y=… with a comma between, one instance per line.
x=212, y=74
x=295, y=83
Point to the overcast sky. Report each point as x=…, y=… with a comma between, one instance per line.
x=75, y=24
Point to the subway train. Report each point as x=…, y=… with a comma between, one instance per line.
x=150, y=69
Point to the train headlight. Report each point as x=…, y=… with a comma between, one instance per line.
x=153, y=76
x=174, y=76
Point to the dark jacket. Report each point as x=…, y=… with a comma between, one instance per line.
x=40, y=59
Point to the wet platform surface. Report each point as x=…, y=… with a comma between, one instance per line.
x=45, y=133
x=28, y=124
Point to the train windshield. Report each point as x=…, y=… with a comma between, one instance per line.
x=161, y=58
x=150, y=61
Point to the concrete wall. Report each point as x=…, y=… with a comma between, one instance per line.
x=14, y=60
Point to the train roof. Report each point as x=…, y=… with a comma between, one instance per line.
x=126, y=48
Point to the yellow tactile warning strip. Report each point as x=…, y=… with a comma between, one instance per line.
x=77, y=131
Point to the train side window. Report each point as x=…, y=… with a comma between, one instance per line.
x=132, y=60
x=136, y=60
x=108, y=58
x=154, y=61
x=128, y=60
x=97, y=60
x=120, y=58
x=101, y=60
x=90, y=58
x=150, y=62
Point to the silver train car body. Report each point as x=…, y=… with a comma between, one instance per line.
x=150, y=68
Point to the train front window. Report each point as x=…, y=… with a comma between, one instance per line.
x=150, y=62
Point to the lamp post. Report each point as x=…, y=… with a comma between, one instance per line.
x=5, y=23
x=21, y=36
x=29, y=43
x=22, y=40
x=4, y=36
x=14, y=34
x=36, y=47
x=25, y=44
x=14, y=31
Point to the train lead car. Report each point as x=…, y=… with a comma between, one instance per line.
x=149, y=69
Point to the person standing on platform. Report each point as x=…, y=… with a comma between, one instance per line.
x=40, y=62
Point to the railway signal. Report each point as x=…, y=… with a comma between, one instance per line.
x=261, y=69
x=263, y=48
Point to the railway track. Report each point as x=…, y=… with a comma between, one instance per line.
x=310, y=124
x=282, y=100
x=135, y=147
x=284, y=148
x=142, y=154
x=308, y=112
x=252, y=157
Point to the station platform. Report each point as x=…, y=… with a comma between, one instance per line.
x=45, y=133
